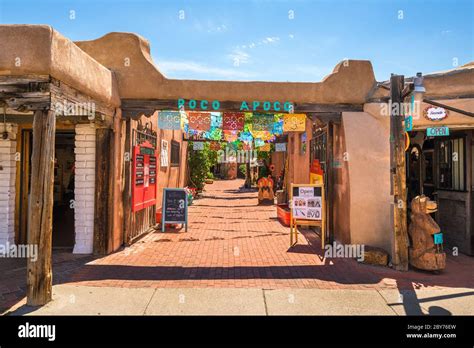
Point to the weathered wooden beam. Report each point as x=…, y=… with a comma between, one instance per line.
x=40, y=208
x=324, y=108
x=398, y=175
x=22, y=79
x=325, y=117
x=103, y=190
x=134, y=108
x=127, y=192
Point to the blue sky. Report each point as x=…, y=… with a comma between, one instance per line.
x=271, y=40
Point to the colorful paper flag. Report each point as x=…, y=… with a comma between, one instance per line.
x=216, y=120
x=233, y=121
x=294, y=123
x=169, y=120
x=259, y=142
x=199, y=120
x=230, y=135
x=262, y=122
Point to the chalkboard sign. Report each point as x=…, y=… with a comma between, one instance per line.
x=175, y=207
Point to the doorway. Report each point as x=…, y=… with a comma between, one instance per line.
x=63, y=191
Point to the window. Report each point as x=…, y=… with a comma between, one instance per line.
x=472, y=166
x=452, y=168
x=175, y=153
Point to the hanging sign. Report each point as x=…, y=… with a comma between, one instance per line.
x=409, y=123
x=144, y=176
x=434, y=113
x=294, y=122
x=198, y=146
x=280, y=147
x=175, y=207
x=437, y=131
x=265, y=148
x=169, y=120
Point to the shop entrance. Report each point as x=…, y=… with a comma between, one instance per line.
x=63, y=212
x=441, y=168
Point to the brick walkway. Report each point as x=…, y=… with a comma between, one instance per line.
x=233, y=243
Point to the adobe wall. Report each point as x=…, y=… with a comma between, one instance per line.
x=367, y=146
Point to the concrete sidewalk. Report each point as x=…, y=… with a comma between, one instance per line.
x=85, y=300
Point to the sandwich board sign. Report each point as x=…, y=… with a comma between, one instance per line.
x=175, y=207
x=307, y=202
x=307, y=209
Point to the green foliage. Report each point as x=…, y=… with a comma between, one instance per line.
x=199, y=163
x=243, y=169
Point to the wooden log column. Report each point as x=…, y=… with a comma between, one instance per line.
x=103, y=189
x=398, y=175
x=40, y=208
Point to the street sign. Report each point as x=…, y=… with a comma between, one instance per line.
x=438, y=238
x=175, y=207
x=437, y=131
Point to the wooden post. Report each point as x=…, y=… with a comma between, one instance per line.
x=127, y=192
x=40, y=208
x=398, y=175
x=103, y=207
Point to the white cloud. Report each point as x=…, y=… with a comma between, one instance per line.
x=270, y=40
x=291, y=36
x=239, y=56
x=198, y=68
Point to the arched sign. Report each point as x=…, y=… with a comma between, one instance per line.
x=435, y=113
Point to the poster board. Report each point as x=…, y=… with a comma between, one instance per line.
x=164, y=154
x=308, y=208
x=144, y=176
x=175, y=207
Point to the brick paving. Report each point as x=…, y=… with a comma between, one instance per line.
x=233, y=243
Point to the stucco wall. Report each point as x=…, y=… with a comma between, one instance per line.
x=128, y=55
x=41, y=50
x=341, y=189
x=368, y=148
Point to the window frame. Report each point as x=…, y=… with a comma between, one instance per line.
x=449, y=141
x=173, y=146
